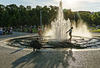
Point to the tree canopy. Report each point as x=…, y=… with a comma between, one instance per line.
x=12, y=15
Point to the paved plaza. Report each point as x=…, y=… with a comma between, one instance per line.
x=12, y=57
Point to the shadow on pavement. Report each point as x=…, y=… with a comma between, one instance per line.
x=45, y=59
x=17, y=50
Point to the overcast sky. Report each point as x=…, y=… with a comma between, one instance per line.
x=74, y=5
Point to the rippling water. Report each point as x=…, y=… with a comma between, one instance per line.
x=77, y=43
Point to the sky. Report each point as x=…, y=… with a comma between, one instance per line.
x=74, y=5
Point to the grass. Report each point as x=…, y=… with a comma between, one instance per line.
x=35, y=30
x=98, y=30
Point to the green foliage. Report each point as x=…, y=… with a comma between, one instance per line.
x=12, y=15
x=35, y=30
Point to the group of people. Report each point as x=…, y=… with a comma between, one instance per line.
x=25, y=28
x=37, y=45
x=70, y=32
x=5, y=30
x=28, y=28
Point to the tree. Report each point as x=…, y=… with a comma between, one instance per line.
x=96, y=18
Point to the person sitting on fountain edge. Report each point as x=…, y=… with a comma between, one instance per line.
x=36, y=44
x=70, y=33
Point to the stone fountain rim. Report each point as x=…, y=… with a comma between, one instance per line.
x=6, y=40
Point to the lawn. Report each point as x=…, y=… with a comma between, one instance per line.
x=35, y=30
x=94, y=30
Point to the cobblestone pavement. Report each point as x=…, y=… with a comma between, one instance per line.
x=48, y=58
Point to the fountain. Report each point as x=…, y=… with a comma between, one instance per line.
x=57, y=35
x=60, y=26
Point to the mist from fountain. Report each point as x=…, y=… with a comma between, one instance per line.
x=81, y=29
x=60, y=26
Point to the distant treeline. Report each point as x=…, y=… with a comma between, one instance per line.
x=13, y=15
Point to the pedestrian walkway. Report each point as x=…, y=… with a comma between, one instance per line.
x=47, y=58
x=16, y=34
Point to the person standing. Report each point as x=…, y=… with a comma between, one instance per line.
x=1, y=31
x=39, y=31
x=70, y=33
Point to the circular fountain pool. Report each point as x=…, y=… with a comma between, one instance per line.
x=77, y=43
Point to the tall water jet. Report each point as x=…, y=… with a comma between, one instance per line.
x=59, y=26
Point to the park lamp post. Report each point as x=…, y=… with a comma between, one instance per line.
x=40, y=19
x=74, y=16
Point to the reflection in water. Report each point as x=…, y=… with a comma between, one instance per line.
x=45, y=59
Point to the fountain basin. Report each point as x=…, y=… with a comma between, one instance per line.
x=81, y=43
